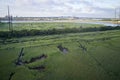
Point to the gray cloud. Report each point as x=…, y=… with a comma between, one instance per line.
x=91, y=8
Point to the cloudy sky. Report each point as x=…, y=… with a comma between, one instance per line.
x=45, y=8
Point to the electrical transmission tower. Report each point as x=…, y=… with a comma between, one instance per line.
x=117, y=16
x=10, y=20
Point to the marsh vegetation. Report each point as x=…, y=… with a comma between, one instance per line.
x=64, y=52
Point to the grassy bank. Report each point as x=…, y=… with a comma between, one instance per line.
x=45, y=26
x=50, y=29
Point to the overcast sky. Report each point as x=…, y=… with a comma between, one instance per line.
x=45, y=8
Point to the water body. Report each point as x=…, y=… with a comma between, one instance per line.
x=101, y=23
x=97, y=22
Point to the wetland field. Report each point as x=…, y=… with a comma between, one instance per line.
x=87, y=52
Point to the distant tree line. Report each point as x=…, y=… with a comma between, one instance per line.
x=24, y=33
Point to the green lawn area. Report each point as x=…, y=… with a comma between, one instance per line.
x=88, y=56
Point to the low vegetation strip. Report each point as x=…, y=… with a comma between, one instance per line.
x=23, y=33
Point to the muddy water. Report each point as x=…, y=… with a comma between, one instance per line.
x=43, y=56
x=62, y=49
x=37, y=68
x=11, y=75
x=19, y=59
